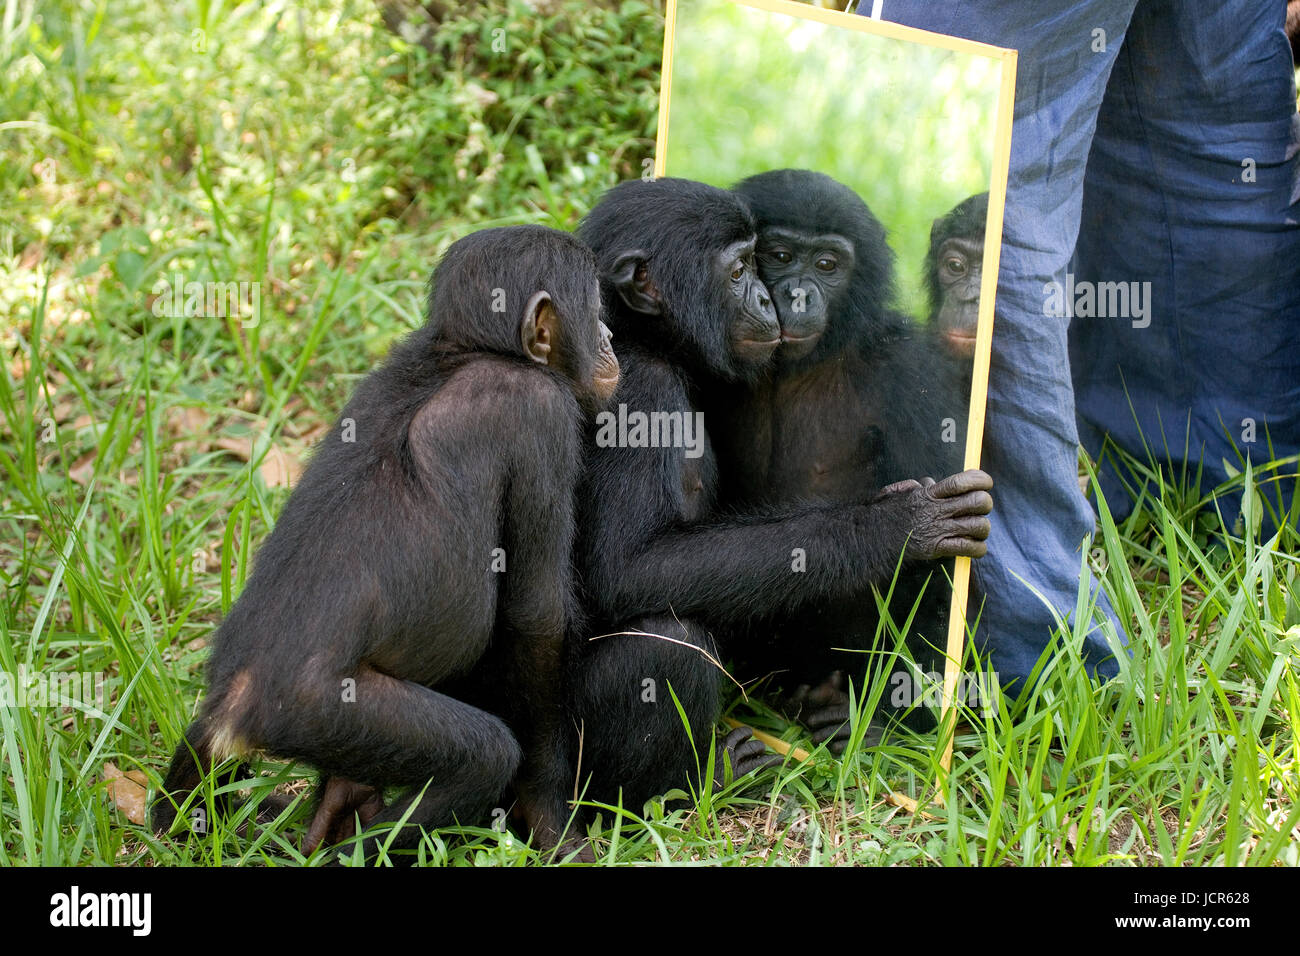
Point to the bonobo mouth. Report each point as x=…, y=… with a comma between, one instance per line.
x=796, y=347
x=756, y=348
x=960, y=342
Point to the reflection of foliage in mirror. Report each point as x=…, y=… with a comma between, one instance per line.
x=908, y=126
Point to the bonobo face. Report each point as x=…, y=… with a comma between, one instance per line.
x=754, y=332
x=604, y=370
x=958, y=270
x=605, y=377
x=806, y=274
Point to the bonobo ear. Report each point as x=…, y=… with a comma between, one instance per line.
x=631, y=276
x=538, y=330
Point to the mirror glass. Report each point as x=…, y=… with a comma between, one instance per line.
x=916, y=129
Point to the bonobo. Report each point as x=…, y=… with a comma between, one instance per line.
x=841, y=413
x=954, y=268
x=405, y=621
x=669, y=575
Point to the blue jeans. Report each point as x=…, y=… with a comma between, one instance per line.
x=1163, y=149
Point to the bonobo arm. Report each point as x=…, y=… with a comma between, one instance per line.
x=654, y=547
x=732, y=570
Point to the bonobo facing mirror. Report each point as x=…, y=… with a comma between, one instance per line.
x=954, y=268
x=847, y=408
x=405, y=620
x=674, y=574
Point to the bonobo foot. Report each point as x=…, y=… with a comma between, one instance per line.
x=340, y=801
x=825, y=710
x=742, y=753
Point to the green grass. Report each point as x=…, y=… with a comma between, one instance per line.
x=129, y=510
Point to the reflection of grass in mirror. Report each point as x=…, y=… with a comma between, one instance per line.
x=910, y=127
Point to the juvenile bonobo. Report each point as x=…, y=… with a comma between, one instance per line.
x=405, y=620
x=841, y=413
x=934, y=362
x=954, y=268
x=659, y=557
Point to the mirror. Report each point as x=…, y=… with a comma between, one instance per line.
x=918, y=127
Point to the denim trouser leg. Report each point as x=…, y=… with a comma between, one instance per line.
x=1196, y=143
x=1031, y=440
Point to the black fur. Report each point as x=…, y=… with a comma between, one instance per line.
x=657, y=552
x=835, y=421
x=378, y=571
x=966, y=220
x=954, y=268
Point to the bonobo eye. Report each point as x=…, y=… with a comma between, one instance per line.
x=955, y=265
x=825, y=264
x=781, y=256
x=737, y=272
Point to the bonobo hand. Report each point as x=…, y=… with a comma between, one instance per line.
x=943, y=519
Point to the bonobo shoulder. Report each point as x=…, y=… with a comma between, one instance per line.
x=489, y=389
x=647, y=376
x=491, y=380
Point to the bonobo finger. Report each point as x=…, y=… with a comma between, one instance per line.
x=829, y=691
x=333, y=818
x=959, y=484
x=831, y=734
x=899, y=487
x=749, y=748
x=324, y=825
x=742, y=747
x=795, y=700
x=832, y=716
x=371, y=808
x=745, y=753
x=830, y=724
x=971, y=503
x=728, y=749
x=757, y=762
x=737, y=737
x=837, y=739
x=806, y=697
x=365, y=814
x=969, y=526
x=960, y=548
